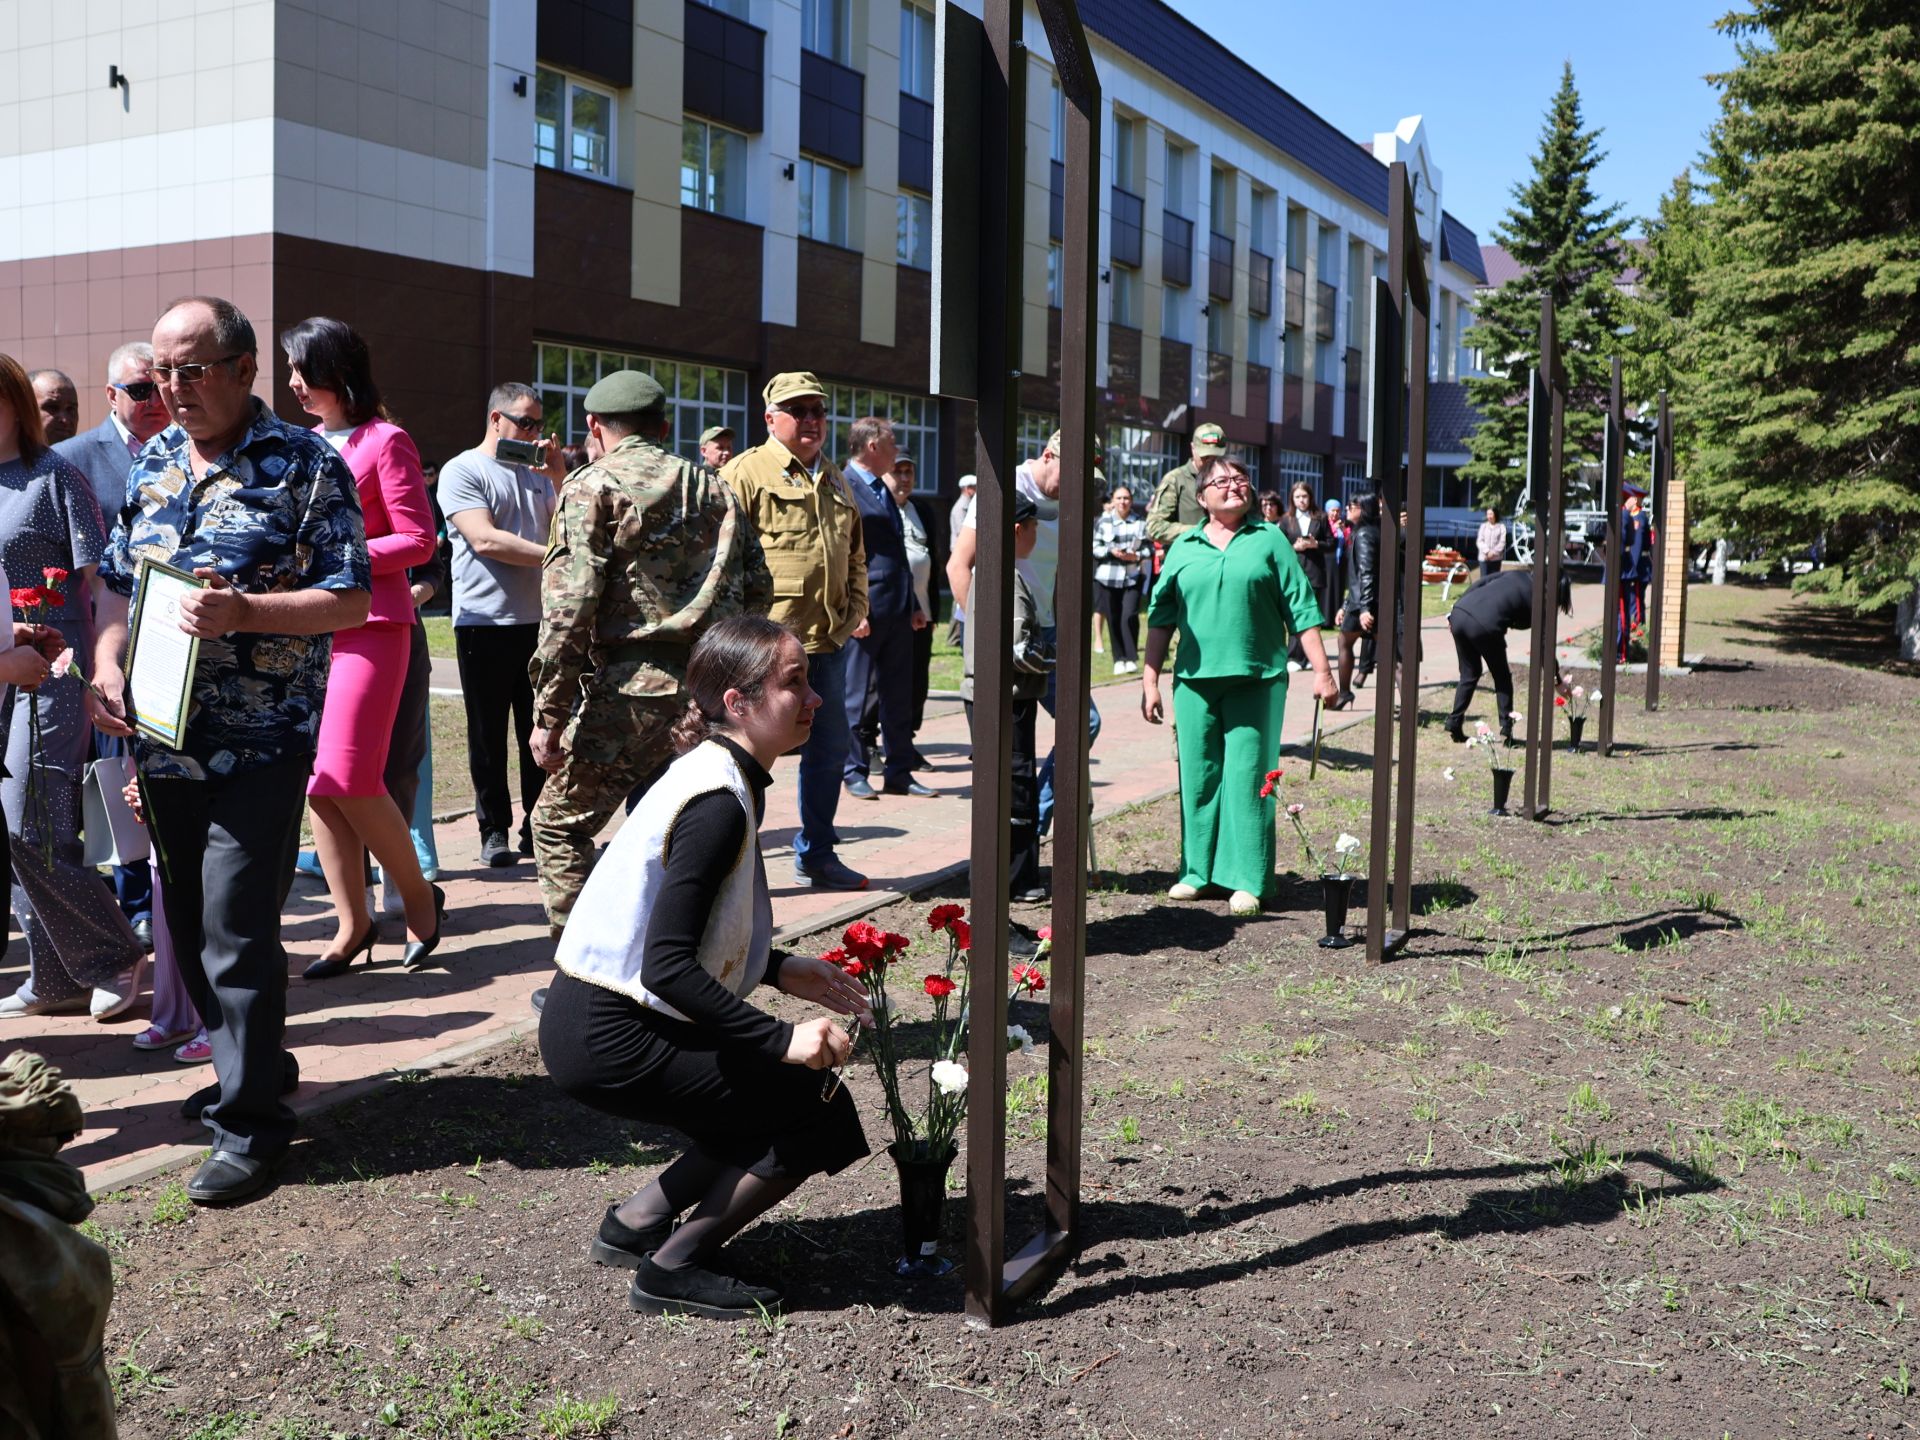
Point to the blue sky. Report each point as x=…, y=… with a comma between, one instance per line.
x=1482, y=73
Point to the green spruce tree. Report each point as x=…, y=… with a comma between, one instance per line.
x=1657, y=348
x=1806, y=331
x=1571, y=248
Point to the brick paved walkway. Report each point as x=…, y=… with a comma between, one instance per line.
x=351, y=1033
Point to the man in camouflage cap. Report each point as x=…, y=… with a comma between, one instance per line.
x=647, y=551
x=1176, y=501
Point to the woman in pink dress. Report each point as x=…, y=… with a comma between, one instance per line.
x=332, y=378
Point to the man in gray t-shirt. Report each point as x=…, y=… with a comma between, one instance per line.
x=499, y=513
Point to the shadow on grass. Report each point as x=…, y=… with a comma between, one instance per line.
x=1701, y=812
x=1827, y=632
x=1657, y=928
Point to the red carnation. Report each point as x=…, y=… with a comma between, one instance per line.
x=1028, y=978
x=962, y=934
x=1270, y=783
x=55, y=575
x=865, y=940
x=835, y=956
x=939, y=987
x=896, y=943
x=1045, y=932
x=942, y=916
x=24, y=597
x=52, y=597
x=1559, y=700
x=853, y=967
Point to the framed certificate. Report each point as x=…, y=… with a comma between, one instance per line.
x=160, y=655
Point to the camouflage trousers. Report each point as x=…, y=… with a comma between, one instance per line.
x=612, y=744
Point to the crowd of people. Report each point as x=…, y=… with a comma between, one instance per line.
x=640, y=630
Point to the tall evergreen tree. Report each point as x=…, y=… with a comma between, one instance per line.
x=1657, y=348
x=1571, y=248
x=1809, y=312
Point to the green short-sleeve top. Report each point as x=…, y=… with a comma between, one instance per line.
x=1235, y=608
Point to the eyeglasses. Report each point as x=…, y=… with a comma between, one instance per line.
x=522, y=423
x=186, y=374
x=138, y=391
x=804, y=412
x=1229, y=482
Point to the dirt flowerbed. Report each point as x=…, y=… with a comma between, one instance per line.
x=1628, y=1144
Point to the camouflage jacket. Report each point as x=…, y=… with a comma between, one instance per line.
x=647, y=551
x=278, y=512
x=1176, y=505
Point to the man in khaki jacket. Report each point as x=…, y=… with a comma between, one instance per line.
x=809, y=528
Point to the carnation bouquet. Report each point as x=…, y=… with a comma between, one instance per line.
x=1344, y=849
x=37, y=605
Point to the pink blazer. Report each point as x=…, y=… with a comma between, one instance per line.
x=393, y=499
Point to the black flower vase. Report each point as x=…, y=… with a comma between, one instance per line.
x=923, y=1203
x=1336, y=895
x=1502, y=787
x=1577, y=724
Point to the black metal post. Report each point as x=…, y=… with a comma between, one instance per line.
x=1543, y=481
x=1612, y=474
x=1549, y=639
x=1408, y=275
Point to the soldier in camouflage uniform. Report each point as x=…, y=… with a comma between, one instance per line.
x=647, y=551
x=1176, y=499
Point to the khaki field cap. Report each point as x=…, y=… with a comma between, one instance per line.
x=1209, y=440
x=626, y=392
x=714, y=432
x=792, y=385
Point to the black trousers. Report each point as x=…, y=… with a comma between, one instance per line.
x=1023, y=869
x=410, y=726
x=226, y=849
x=1489, y=568
x=881, y=661
x=1121, y=605
x=1476, y=647
x=494, y=684
x=922, y=674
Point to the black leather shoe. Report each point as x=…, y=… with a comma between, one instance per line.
x=828, y=874
x=334, y=963
x=1456, y=731
x=917, y=761
x=1022, y=943
x=194, y=1104
x=1032, y=895
x=618, y=1244
x=415, y=956
x=539, y=999
x=495, y=851
x=691, y=1290
x=227, y=1176
x=526, y=844
x=861, y=789
x=143, y=932
x=912, y=787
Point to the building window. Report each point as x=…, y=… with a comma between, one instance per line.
x=1296, y=466
x=1174, y=310
x=1220, y=328
x=1126, y=297
x=1058, y=138
x=916, y=51
x=1353, y=480
x=736, y=8
x=916, y=426
x=913, y=245
x=1294, y=350
x=1249, y=458
x=572, y=125
x=823, y=201
x=713, y=168
x=1137, y=457
x=824, y=29
x=1036, y=428
x=697, y=395
x=1447, y=489
x=1259, y=343
x=1467, y=360
x=1056, y=274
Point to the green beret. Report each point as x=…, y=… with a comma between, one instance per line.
x=626, y=392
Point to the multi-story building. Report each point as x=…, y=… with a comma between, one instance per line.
x=715, y=190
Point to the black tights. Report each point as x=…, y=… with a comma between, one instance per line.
x=724, y=1200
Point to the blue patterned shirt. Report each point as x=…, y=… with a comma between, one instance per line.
x=278, y=512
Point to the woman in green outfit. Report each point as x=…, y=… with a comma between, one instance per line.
x=1235, y=590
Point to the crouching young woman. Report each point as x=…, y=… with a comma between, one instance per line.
x=648, y=1018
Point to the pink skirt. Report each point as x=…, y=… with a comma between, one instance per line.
x=363, y=695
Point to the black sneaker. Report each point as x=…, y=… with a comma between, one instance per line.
x=691, y=1290
x=621, y=1245
x=495, y=851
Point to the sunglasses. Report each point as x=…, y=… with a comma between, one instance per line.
x=804, y=412
x=138, y=391
x=520, y=422
x=186, y=374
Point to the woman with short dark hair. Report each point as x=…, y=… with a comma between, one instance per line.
x=648, y=1018
x=1355, y=617
x=353, y=812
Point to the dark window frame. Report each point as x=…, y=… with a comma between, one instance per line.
x=1129, y=227
x=1259, y=284
x=1220, y=266
x=1176, y=249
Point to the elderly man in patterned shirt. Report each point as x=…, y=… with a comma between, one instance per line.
x=266, y=514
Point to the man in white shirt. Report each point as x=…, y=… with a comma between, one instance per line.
x=1039, y=479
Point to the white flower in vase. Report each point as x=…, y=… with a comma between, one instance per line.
x=950, y=1076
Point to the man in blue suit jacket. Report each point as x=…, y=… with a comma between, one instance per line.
x=104, y=454
x=135, y=414
x=881, y=655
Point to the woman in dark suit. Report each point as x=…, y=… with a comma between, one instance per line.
x=1306, y=530
x=1356, y=614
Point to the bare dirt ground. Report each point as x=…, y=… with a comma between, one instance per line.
x=1628, y=1143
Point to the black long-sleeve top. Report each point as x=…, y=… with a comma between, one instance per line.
x=1504, y=602
x=701, y=847
x=1363, y=568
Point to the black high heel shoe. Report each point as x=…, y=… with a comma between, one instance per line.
x=328, y=966
x=415, y=956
